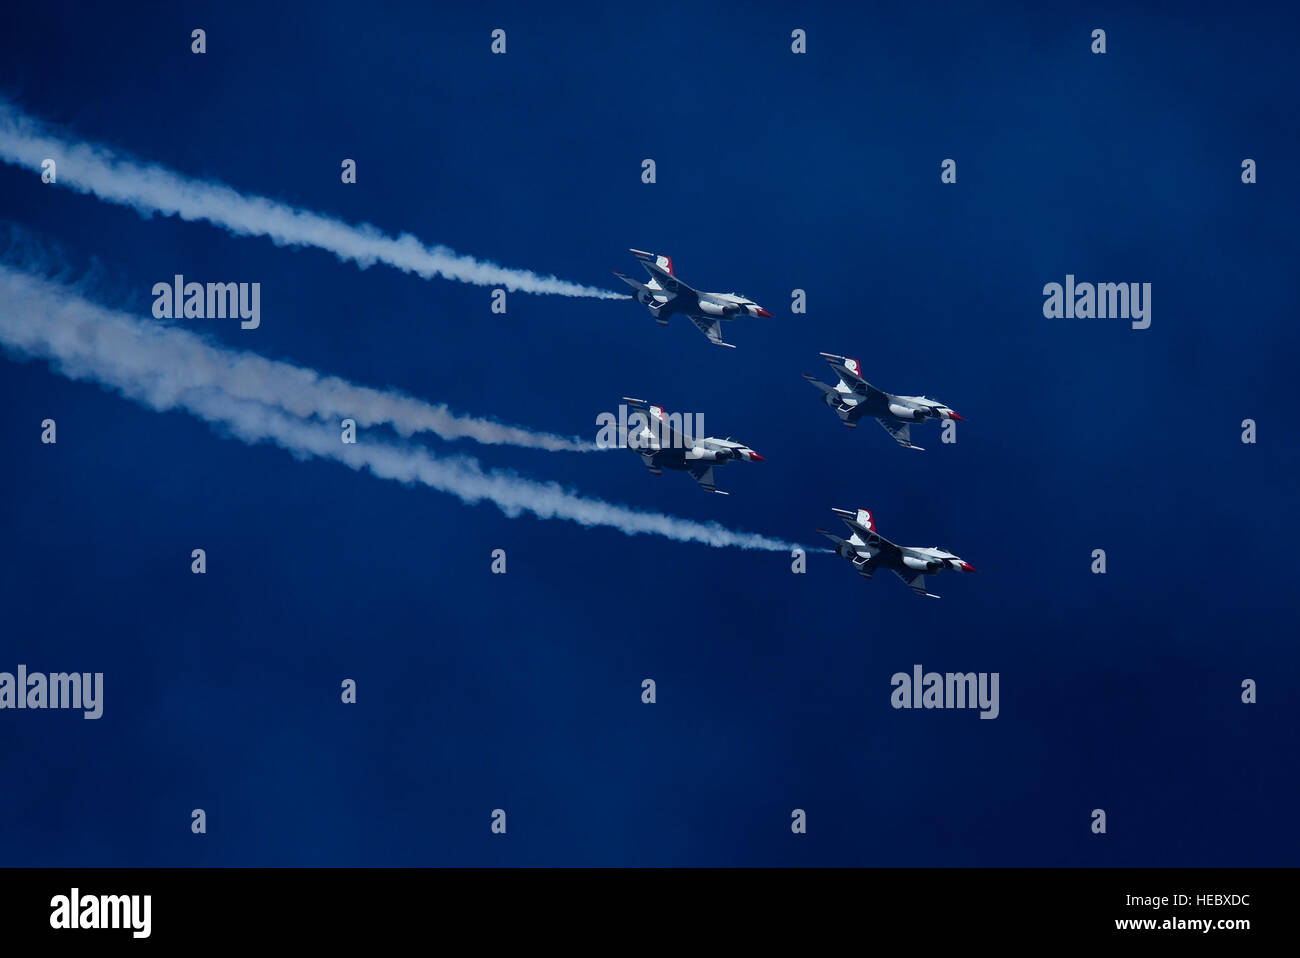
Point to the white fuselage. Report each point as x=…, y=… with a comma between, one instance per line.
x=904, y=408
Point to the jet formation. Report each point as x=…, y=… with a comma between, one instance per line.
x=662, y=445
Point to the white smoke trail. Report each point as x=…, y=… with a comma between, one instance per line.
x=147, y=188
x=155, y=365
x=192, y=363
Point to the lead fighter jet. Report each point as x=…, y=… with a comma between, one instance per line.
x=665, y=295
x=663, y=447
x=853, y=397
x=870, y=551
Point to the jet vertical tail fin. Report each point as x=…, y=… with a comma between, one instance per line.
x=850, y=372
x=664, y=263
x=862, y=517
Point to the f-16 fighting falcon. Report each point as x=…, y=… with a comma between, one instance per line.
x=662, y=446
x=853, y=397
x=869, y=552
x=665, y=294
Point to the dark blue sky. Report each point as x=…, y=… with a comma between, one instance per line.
x=775, y=172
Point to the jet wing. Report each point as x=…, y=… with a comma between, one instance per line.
x=915, y=582
x=901, y=431
x=669, y=438
x=651, y=463
x=710, y=327
x=703, y=474
x=873, y=541
x=660, y=268
x=850, y=372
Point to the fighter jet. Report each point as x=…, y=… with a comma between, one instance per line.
x=869, y=551
x=853, y=397
x=665, y=294
x=663, y=446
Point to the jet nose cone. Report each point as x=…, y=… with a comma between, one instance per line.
x=754, y=457
x=760, y=311
x=967, y=567
x=953, y=415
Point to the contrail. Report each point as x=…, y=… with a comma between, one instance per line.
x=148, y=189
x=154, y=365
x=181, y=359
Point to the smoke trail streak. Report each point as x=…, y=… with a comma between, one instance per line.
x=148, y=189
x=297, y=390
x=151, y=364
